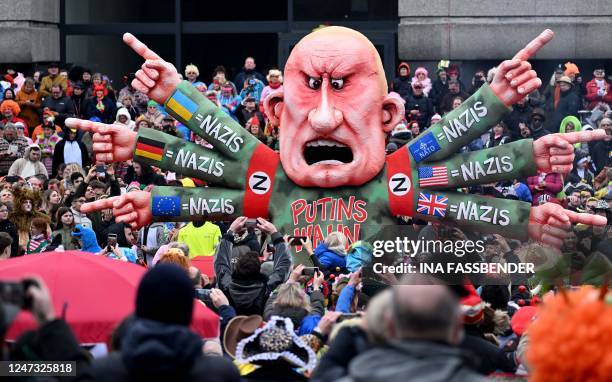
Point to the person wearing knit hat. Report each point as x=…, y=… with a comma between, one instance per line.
x=569, y=103
x=401, y=84
x=598, y=89
x=566, y=79
x=435, y=118
x=158, y=344
x=581, y=172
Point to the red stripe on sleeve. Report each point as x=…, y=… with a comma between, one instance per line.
x=260, y=182
x=399, y=183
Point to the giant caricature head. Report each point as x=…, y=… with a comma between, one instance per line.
x=334, y=111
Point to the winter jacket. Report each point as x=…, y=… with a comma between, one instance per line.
x=490, y=357
x=154, y=351
x=329, y=259
x=20, y=165
x=249, y=295
x=47, y=83
x=242, y=76
x=412, y=360
x=297, y=315
x=400, y=139
x=47, y=147
x=423, y=105
x=438, y=91
x=67, y=240
x=29, y=104
x=496, y=141
x=129, y=123
x=62, y=106
x=601, y=154
x=569, y=104
x=593, y=96
x=350, y=342
x=106, y=116
x=58, y=155
x=402, y=84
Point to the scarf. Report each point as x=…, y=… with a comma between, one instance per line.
x=275, y=85
x=37, y=243
x=100, y=105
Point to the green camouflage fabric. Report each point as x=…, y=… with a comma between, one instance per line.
x=359, y=212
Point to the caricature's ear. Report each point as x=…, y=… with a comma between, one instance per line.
x=393, y=111
x=273, y=105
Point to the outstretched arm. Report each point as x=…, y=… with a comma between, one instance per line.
x=140, y=208
x=513, y=81
x=160, y=81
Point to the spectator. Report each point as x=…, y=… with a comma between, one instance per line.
x=252, y=126
x=569, y=104
x=425, y=328
x=479, y=79
x=79, y=217
x=248, y=109
x=70, y=150
x=439, y=88
x=248, y=71
x=400, y=135
x=418, y=107
x=86, y=79
x=5, y=244
x=143, y=174
x=158, y=345
x=52, y=79
x=331, y=253
x=122, y=249
x=39, y=239
x=12, y=148
x=30, y=164
x=150, y=239
x=219, y=79
x=598, y=89
x=28, y=100
x=415, y=129
x=247, y=288
x=8, y=93
x=153, y=115
x=401, y=84
x=63, y=229
x=275, y=82
x=60, y=104
x=536, y=128
x=140, y=99
x=10, y=110
x=252, y=87
x=101, y=106
x=127, y=101
x=201, y=236
x=47, y=142
x=552, y=94
x=124, y=118
x=79, y=100
x=7, y=226
x=580, y=172
x=454, y=91
x=453, y=74
x=521, y=112
x=602, y=149
x=422, y=76
x=498, y=135
x=48, y=117
x=192, y=73
x=229, y=101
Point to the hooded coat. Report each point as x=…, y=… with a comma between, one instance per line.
x=58, y=154
x=129, y=123
x=25, y=164
x=328, y=258
x=401, y=84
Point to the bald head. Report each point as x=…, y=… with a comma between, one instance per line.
x=423, y=309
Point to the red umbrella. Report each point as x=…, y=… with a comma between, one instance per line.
x=97, y=293
x=206, y=265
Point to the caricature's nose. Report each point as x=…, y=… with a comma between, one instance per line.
x=325, y=118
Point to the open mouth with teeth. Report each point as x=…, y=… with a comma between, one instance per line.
x=325, y=151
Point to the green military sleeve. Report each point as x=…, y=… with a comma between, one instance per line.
x=505, y=162
x=186, y=203
x=188, y=159
x=208, y=121
x=482, y=214
x=459, y=127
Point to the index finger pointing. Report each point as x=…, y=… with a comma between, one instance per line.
x=102, y=204
x=587, y=219
x=85, y=125
x=535, y=45
x=140, y=48
x=584, y=136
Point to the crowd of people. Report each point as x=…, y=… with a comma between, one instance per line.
x=280, y=321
